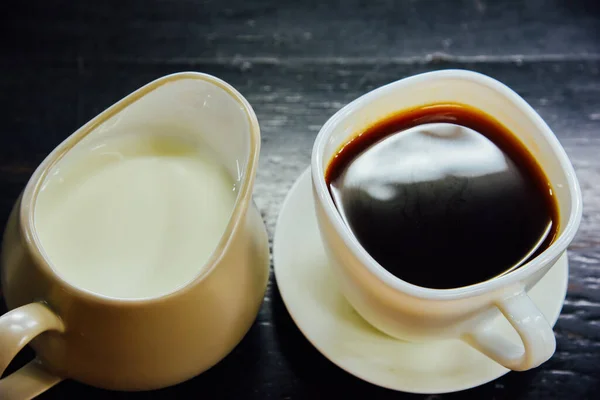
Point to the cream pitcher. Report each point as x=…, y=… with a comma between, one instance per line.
x=135, y=258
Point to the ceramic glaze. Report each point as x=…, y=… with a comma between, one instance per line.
x=313, y=298
x=130, y=248
x=419, y=314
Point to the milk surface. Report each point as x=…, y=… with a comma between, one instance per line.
x=136, y=217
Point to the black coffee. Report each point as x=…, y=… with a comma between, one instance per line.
x=443, y=196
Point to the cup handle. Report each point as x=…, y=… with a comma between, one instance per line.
x=17, y=328
x=538, y=342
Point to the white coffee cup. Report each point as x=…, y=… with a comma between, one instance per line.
x=409, y=312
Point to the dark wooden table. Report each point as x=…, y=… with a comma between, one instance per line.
x=298, y=62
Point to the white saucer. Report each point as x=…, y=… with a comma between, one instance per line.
x=322, y=314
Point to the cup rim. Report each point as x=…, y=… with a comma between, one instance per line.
x=30, y=193
x=390, y=280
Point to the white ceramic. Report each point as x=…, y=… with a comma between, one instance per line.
x=140, y=343
x=314, y=300
x=413, y=313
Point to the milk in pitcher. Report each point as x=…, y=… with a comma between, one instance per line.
x=137, y=216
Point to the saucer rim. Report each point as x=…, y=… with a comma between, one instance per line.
x=305, y=174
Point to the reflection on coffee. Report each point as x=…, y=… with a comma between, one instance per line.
x=443, y=196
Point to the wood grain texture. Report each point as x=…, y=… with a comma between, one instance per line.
x=170, y=31
x=73, y=60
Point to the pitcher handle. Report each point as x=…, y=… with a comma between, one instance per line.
x=537, y=337
x=17, y=328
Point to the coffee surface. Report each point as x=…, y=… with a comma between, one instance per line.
x=443, y=196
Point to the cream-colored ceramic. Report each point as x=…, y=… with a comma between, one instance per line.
x=413, y=313
x=314, y=300
x=139, y=344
